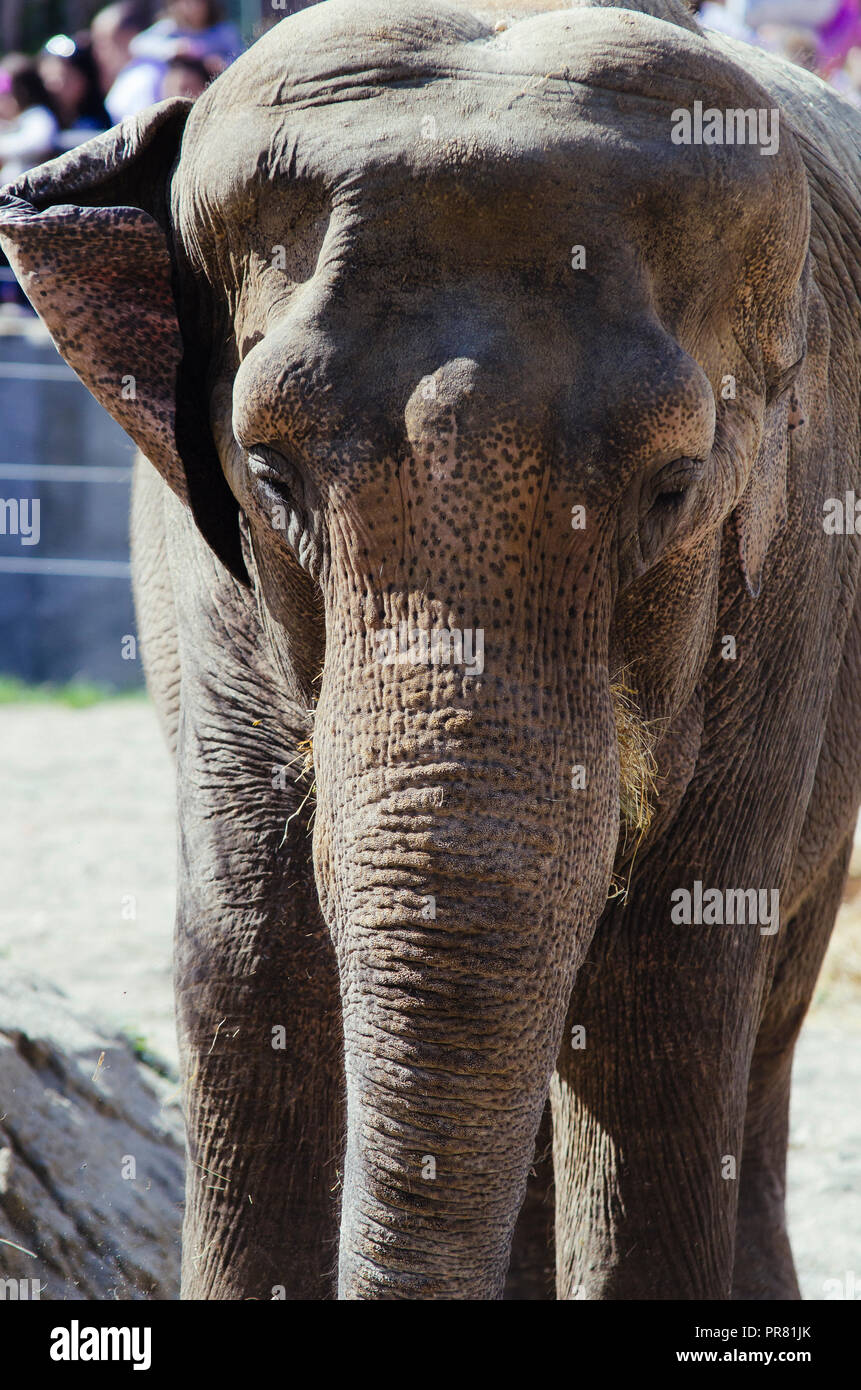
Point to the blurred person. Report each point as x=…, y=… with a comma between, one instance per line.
x=28, y=123
x=193, y=27
x=799, y=46
x=847, y=79
x=725, y=18
x=68, y=70
x=834, y=24
x=28, y=134
x=793, y=14
x=129, y=82
x=185, y=77
x=839, y=36
x=214, y=65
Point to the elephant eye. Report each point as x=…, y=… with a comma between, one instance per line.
x=276, y=474
x=665, y=503
x=287, y=503
x=669, y=498
x=266, y=465
x=671, y=486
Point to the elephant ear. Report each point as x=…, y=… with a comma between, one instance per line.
x=88, y=236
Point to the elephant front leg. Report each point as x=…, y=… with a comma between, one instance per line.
x=764, y=1268
x=531, y=1269
x=258, y=1018
x=648, y=1111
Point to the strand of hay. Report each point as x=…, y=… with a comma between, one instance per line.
x=305, y=752
x=637, y=776
x=637, y=766
x=306, y=748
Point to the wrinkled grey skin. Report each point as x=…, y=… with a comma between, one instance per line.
x=370, y=198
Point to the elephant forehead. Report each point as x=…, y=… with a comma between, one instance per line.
x=349, y=48
x=454, y=161
x=584, y=97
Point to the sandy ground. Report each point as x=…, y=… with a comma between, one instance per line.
x=87, y=826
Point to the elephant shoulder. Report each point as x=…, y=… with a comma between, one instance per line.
x=828, y=127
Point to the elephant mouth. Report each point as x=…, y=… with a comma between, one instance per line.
x=638, y=769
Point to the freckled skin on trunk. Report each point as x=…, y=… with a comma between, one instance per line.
x=448, y=1053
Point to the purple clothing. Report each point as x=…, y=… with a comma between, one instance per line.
x=165, y=39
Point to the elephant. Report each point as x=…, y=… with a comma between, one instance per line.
x=492, y=415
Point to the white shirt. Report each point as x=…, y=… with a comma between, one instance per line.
x=137, y=86
x=27, y=141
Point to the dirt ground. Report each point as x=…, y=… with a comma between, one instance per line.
x=87, y=825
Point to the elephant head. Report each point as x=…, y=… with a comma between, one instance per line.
x=473, y=374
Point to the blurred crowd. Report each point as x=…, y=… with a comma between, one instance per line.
x=85, y=82
x=822, y=35
x=79, y=84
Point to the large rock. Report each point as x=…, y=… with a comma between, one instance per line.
x=91, y=1156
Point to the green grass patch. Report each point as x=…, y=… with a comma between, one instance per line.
x=73, y=694
x=144, y=1053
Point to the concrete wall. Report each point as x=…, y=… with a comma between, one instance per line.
x=65, y=601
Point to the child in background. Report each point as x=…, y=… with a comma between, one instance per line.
x=28, y=135
x=192, y=27
x=68, y=70
x=185, y=77
x=28, y=125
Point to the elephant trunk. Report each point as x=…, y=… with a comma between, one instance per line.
x=462, y=878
